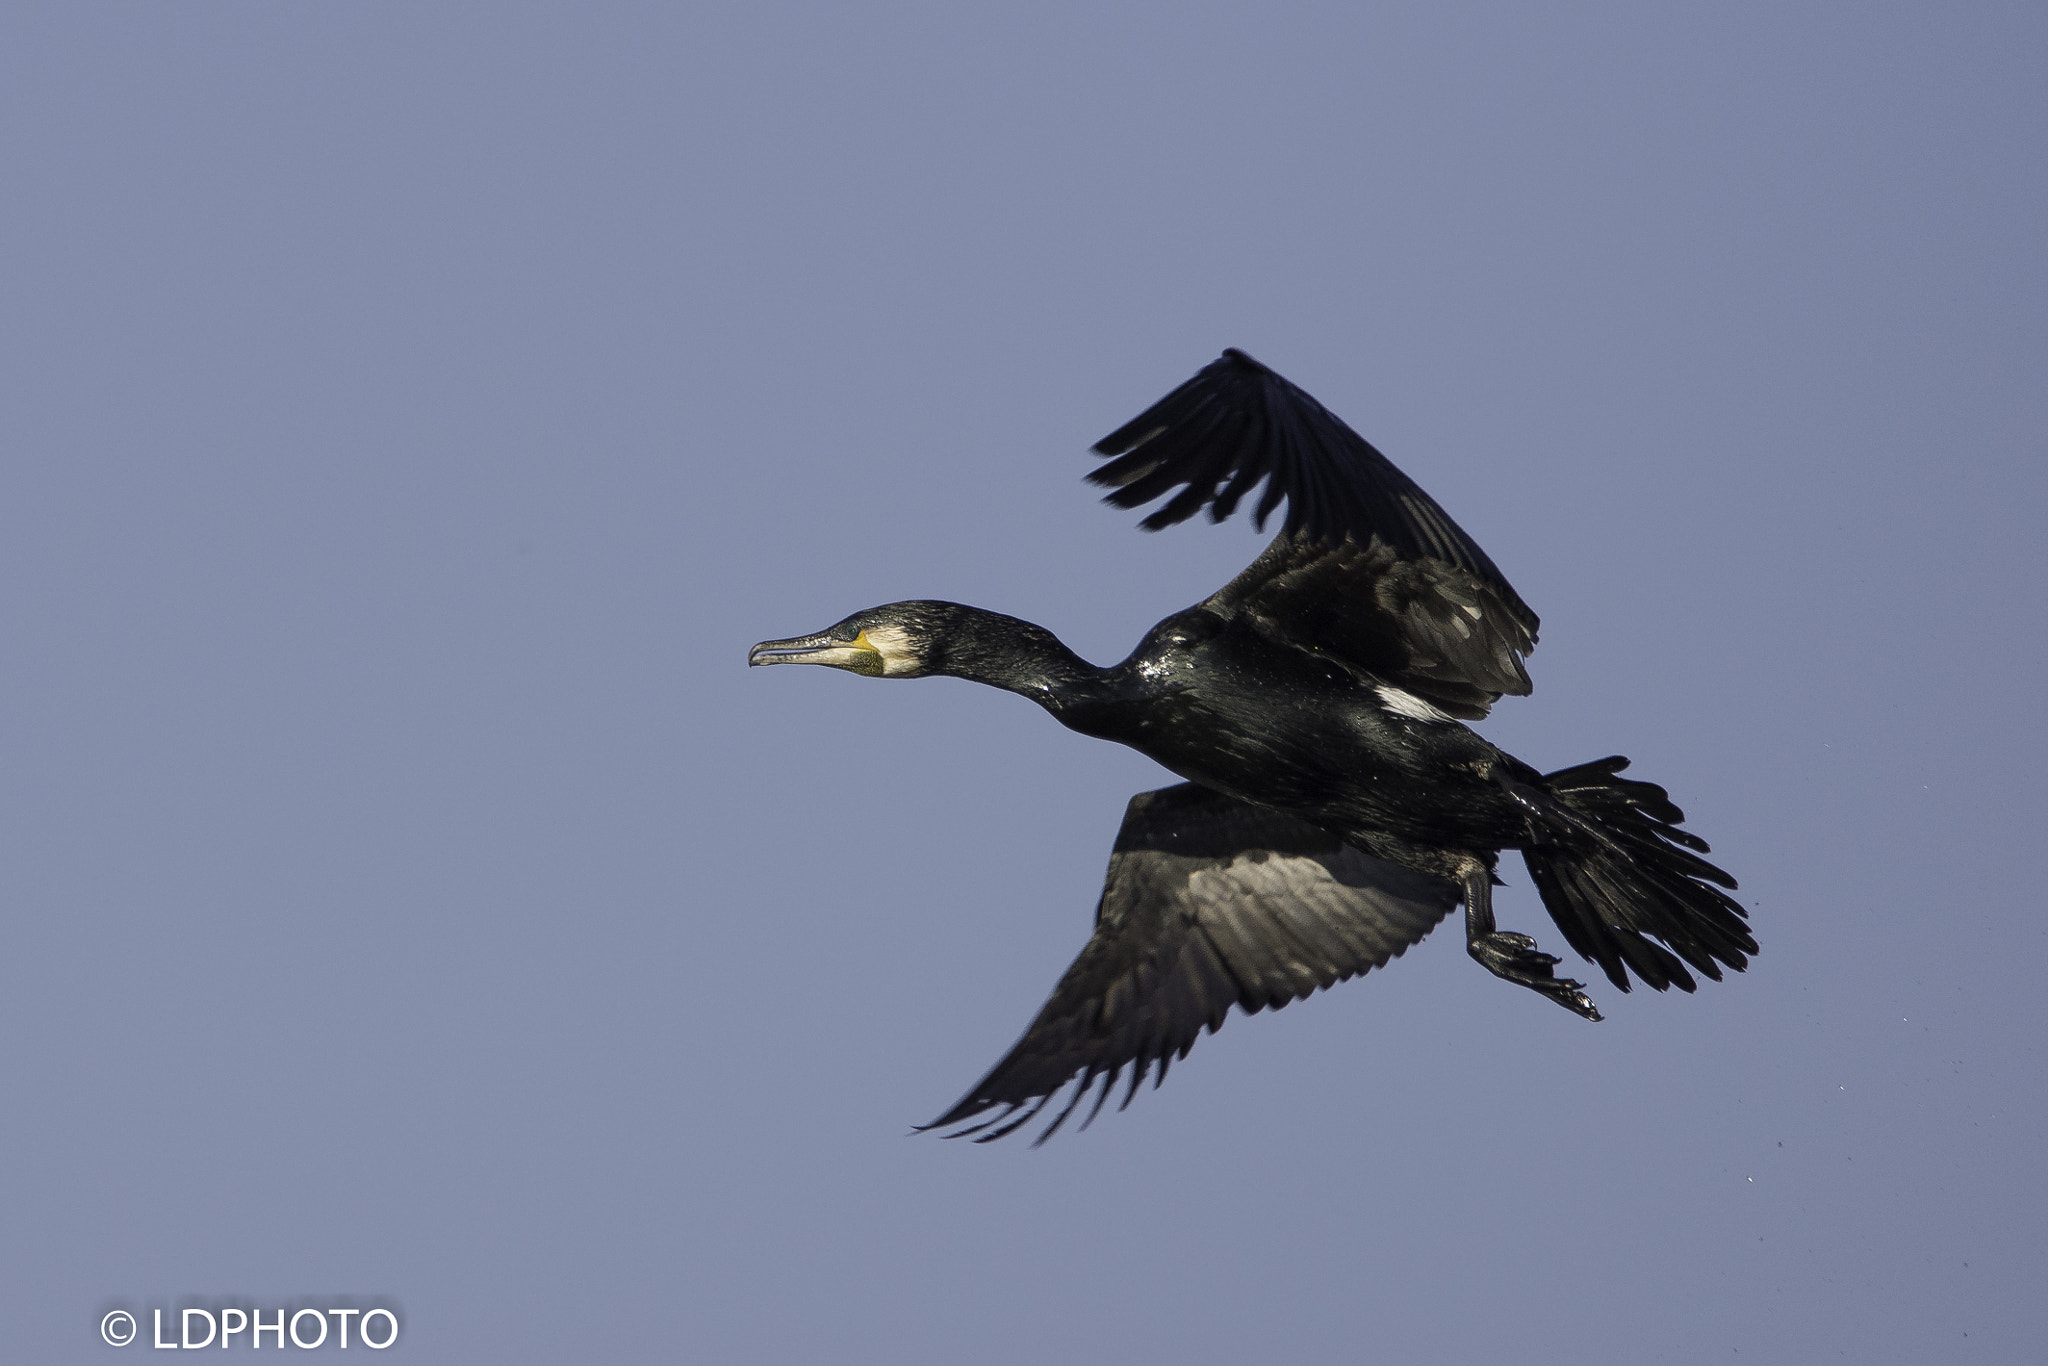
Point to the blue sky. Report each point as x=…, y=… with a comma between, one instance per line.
x=413, y=412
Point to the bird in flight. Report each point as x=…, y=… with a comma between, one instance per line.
x=1336, y=808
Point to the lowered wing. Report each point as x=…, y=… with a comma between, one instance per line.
x=1210, y=902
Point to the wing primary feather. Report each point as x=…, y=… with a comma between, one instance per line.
x=1102, y=1095
x=1249, y=472
x=1080, y=1094
x=1006, y=1111
x=1014, y=1125
x=1137, y=1075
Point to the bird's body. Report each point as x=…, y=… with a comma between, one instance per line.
x=1336, y=807
x=1223, y=705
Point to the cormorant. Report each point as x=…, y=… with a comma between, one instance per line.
x=1336, y=809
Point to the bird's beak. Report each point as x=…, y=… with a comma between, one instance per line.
x=856, y=655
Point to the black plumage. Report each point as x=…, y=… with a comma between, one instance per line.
x=1336, y=809
x=1209, y=903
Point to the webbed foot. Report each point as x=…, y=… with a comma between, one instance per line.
x=1515, y=958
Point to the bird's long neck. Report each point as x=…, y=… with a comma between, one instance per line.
x=1018, y=656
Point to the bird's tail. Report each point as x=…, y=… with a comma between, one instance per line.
x=1615, y=872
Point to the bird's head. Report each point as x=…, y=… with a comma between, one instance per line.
x=897, y=640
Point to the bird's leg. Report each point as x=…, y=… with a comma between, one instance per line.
x=1514, y=957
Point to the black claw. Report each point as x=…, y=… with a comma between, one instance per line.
x=1578, y=1002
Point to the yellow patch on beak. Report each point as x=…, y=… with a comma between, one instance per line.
x=864, y=657
x=894, y=650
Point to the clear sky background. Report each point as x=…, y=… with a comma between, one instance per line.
x=412, y=412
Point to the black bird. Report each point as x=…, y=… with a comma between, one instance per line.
x=1335, y=808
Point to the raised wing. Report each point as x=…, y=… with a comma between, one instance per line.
x=1366, y=568
x=1209, y=903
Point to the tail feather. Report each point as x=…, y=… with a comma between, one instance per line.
x=1616, y=874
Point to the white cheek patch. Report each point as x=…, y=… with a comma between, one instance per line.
x=1409, y=705
x=894, y=645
